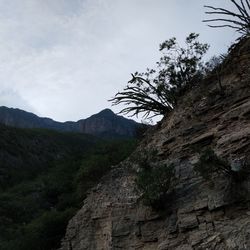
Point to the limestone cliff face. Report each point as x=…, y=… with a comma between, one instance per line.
x=199, y=215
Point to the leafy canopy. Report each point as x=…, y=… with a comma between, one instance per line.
x=156, y=91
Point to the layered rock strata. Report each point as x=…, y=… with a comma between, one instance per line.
x=202, y=214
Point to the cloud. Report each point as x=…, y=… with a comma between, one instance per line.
x=66, y=58
x=10, y=98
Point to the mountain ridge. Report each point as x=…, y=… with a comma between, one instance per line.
x=103, y=124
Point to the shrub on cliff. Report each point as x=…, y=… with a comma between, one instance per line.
x=156, y=91
x=209, y=164
x=154, y=180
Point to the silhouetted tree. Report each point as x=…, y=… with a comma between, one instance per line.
x=238, y=19
x=156, y=91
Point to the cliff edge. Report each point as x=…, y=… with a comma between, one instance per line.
x=201, y=214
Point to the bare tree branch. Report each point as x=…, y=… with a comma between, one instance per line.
x=240, y=17
x=221, y=11
x=248, y=4
x=225, y=20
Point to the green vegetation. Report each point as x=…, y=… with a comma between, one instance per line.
x=24, y=153
x=209, y=164
x=44, y=178
x=154, y=180
x=156, y=91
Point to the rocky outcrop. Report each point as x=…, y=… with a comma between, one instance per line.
x=108, y=124
x=200, y=214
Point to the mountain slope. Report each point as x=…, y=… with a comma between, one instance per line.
x=24, y=153
x=104, y=124
x=200, y=213
x=44, y=177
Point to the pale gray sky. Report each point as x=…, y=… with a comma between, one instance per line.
x=65, y=58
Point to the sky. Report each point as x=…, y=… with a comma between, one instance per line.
x=64, y=59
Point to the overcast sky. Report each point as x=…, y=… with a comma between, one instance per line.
x=65, y=58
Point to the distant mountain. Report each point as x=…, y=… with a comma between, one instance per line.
x=104, y=124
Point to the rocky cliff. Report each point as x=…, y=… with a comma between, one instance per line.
x=201, y=214
x=108, y=124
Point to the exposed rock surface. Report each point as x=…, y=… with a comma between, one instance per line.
x=108, y=124
x=201, y=214
x=103, y=124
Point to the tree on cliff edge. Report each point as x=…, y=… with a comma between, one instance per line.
x=156, y=91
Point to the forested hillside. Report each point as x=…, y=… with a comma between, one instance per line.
x=44, y=177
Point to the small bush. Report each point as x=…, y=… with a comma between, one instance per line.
x=154, y=180
x=209, y=164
